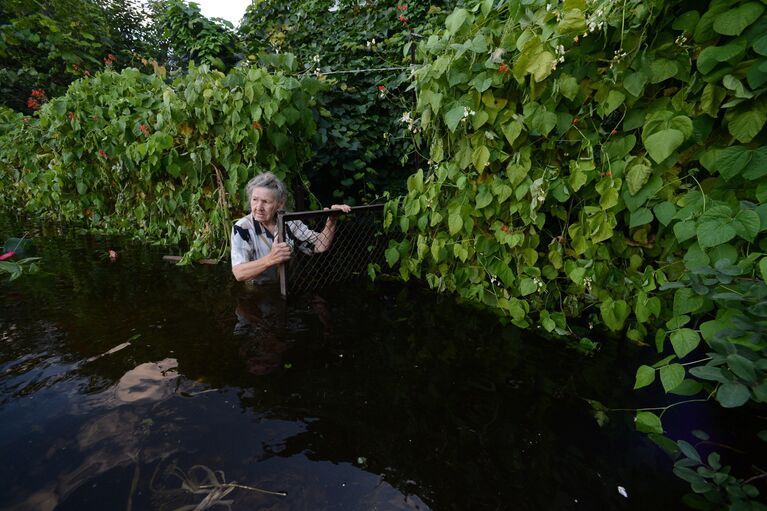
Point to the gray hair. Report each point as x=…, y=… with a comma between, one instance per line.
x=271, y=182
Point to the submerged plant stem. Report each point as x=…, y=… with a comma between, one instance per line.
x=242, y=486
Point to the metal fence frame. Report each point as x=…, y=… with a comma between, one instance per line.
x=373, y=238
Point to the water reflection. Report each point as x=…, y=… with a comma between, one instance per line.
x=261, y=321
x=115, y=376
x=151, y=381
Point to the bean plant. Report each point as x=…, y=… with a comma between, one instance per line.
x=602, y=163
x=129, y=153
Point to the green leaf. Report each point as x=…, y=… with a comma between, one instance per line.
x=540, y=120
x=746, y=124
x=480, y=157
x=684, y=341
x=653, y=186
x=763, y=268
x=568, y=86
x=484, y=197
x=684, y=230
x=641, y=216
x=712, y=55
x=415, y=181
x=534, y=60
x=732, y=395
x=757, y=75
x=646, y=307
x=734, y=21
x=644, y=377
x=614, y=100
x=686, y=301
x=686, y=22
x=665, y=443
x=614, y=313
x=742, y=367
x=662, y=144
x=572, y=20
x=527, y=286
x=758, y=166
x=511, y=131
x=482, y=81
x=689, y=451
x=456, y=19
x=619, y=147
x=730, y=161
x=635, y=83
x=711, y=98
x=664, y=212
x=760, y=45
x=454, y=223
x=747, y=224
x=637, y=177
x=662, y=69
x=392, y=256
x=688, y=388
x=575, y=273
x=671, y=376
x=648, y=422
x=453, y=116
x=715, y=227
x=709, y=373
x=677, y=322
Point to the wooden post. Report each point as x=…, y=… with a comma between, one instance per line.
x=281, y=238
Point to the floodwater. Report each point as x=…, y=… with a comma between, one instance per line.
x=134, y=384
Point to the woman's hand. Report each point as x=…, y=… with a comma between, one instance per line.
x=331, y=221
x=279, y=253
x=343, y=207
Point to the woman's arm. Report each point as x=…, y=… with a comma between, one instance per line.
x=279, y=253
x=327, y=234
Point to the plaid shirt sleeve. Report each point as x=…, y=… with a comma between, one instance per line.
x=301, y=232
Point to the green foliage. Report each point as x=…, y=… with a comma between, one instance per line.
x=601, y=163
x=16, y=269
x=128, y=153
x=193, y=37
x=49, y=43
x=363, y=51
x=590, y=153
x=713, y=484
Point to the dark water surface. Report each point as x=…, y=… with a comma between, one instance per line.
x=126, y=384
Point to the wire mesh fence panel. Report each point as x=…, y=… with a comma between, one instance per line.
x=321, y=255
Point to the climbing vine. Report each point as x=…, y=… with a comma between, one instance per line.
x=602, y=163
x=127, y=153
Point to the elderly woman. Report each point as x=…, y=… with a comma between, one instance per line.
x=256, y=253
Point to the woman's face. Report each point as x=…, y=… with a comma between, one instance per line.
x=264, y=205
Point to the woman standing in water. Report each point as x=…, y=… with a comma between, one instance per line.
x=256, y=253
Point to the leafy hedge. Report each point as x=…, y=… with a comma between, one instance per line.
x=600, y=162
x=362, y=50
x=128, y=153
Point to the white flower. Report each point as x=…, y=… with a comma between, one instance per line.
x=406, y=118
